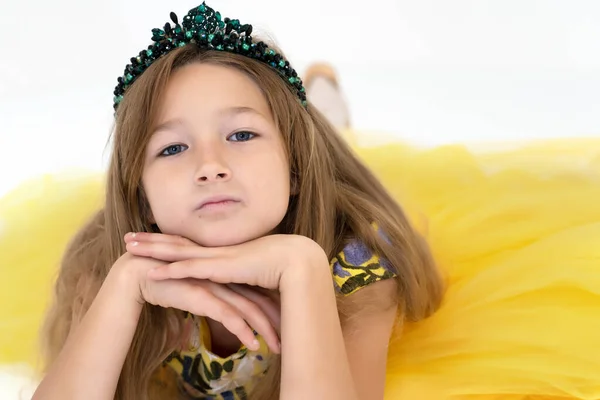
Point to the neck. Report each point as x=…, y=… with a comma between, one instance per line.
x=223, y=342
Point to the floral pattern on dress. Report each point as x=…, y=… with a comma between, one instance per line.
x=356, y=267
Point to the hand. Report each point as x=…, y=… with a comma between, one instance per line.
x=267, y=300
x=237, y=308
x=233, y=306
x=261, y=262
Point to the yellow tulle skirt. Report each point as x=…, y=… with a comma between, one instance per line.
x=515, y=231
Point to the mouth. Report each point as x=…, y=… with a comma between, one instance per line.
x=217, y=202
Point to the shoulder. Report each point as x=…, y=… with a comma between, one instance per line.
x=357, y=266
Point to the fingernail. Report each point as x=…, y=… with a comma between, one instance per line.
x=255, y=345
x=133, y=234
x=135, y=243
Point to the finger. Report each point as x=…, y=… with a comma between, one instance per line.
x=268, y=305
x=199, y=300
x=165, y=251
x=274, y=295
x=220, y=269
x=156, y=238
x=252, y=313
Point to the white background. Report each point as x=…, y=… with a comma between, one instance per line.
x=429, y=72
x=426, y=71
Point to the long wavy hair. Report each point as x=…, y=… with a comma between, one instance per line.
x=336, y=198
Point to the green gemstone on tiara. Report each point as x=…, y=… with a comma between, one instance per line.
x=206, y=28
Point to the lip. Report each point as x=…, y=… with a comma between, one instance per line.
x=217, y=201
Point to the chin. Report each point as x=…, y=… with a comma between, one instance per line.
x=226, y=233
x=220, y=241
x=218, y=238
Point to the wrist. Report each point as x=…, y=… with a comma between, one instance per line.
x=125, y=281
x=307, y=266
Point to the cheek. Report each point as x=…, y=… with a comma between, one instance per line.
x=273, y=177
x=154, y=188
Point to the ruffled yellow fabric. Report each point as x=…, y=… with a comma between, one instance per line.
x=37, y=220
x=516, y=231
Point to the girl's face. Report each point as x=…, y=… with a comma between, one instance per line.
x=215, y=168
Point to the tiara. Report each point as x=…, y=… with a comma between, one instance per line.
x=205, y=27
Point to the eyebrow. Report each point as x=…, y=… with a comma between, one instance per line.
x=240, y=110
x=226, y=112
x=167, y=125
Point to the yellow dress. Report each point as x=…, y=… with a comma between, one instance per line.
x=516, y=231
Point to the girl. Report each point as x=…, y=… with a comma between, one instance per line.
x=230, y=203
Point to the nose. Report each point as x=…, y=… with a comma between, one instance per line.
x=212, y=167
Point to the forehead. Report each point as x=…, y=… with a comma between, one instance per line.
x=202, y=88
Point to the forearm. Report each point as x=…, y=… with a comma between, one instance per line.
x=314, y=359
x=91, y=361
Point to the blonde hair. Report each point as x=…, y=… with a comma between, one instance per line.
x=337, y=199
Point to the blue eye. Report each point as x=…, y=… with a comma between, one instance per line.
x=173, y=150
x=242, y=136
